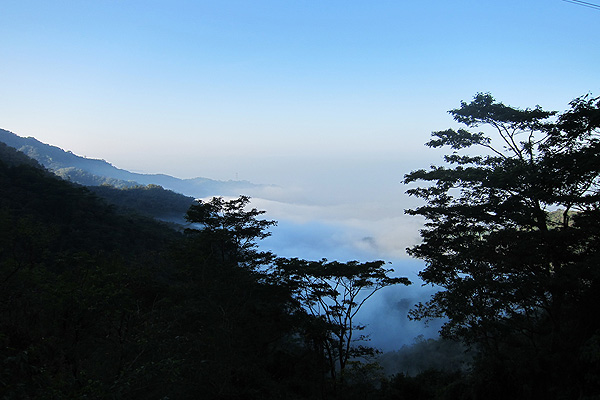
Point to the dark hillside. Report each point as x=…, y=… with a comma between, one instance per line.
x=54, y=158
x=76, y=217
x=94, y=304
x=151, y=201
x=100, y=305
x=12, y=158
x=77, y=282
x=93, y=172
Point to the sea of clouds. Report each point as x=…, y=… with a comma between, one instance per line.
x=348, y=210
x=362, y=231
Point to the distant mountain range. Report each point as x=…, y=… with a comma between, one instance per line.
x=93, y=172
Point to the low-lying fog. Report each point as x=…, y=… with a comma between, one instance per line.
x=338, y=233
x=353, y=212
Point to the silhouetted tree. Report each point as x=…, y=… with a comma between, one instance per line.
x=333, y=294
x=517, y=281
x=240, y=322
x=229, y=232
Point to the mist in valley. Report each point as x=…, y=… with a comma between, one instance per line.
x=354, y=211
x=316, y=111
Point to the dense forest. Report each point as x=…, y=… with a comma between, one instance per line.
x=101, y=300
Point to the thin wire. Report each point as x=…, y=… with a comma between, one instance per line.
x=583, y=3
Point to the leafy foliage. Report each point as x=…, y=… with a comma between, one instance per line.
x=333, y=293
x=100, y=304
x=517, y=282
x=72, y=289
x=229, y=232
x=150, y=201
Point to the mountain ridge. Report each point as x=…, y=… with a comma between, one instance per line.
x=97, y=172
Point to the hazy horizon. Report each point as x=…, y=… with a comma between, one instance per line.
x=332, y=101
x=270, y=91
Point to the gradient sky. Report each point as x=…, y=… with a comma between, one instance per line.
x=330, y=99
x=270, y=90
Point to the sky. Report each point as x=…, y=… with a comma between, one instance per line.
x=228, y=89
x=331, y=100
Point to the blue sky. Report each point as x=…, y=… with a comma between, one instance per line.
x=332, y=100
x=246, y=88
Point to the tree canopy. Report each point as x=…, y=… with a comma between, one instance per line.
x=512, y=239
x=230, y=232
x=333, y=294
x=96, y=303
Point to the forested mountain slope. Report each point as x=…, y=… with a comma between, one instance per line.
x=94, y=304
x=92, y=172
x=65, y=214
x=150, y=201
